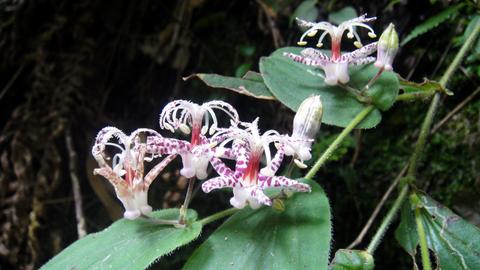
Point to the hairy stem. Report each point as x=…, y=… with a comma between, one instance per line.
x=387, y=220
x=415, y=96
x=332, y=147
x=427, y=265
x=427, y=122
x=422, y=137
x=219, y=215
x=420, y=145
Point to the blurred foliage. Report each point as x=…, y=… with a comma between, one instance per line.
x=80, y=65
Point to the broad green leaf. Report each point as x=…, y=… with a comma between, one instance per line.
x=432, y=22
x=127, y=244
x=297, y=238
x=346, y=259
x=456, y=242
x=306, y=11
x=292, y=82
x=342, y=15
x=253, y=87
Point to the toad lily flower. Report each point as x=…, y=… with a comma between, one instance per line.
x=193, y=165
x=189, y=117
x=247, y=180
x=305, y=127
x=335, y=70
x=336, y=32
x=336, y=66
x=127, y=169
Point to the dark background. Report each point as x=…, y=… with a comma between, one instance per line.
x=69, y=68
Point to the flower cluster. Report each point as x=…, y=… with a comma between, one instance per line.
x=209, y=144
x=336, y=65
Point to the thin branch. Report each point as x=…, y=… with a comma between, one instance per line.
x=358, y=148
x=77, y=195
x=11, y=81
x=270, y=14
x=455, y=110
x=374, y=215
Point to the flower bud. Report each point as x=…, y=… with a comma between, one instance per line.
x=305, y=127
x=387, y=48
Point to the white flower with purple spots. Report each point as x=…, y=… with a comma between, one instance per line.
x=248, y=180
x=336, y=66
x=195, y=119
x=126, y=172
x=336, y=70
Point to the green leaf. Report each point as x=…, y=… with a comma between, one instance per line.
x=406, y=233
x=250, y=85
x=127, y=244
x=297, y=238
x=306, y=11
x=342, y=15
x=474, y=22
x=346, y=259
x=254, y=76
x=242, y=69
x=455, y=242
x=432, y=22
x=292, y=82
x=425, y=86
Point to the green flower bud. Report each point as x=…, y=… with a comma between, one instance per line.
x=387, y=48
x=305, y=127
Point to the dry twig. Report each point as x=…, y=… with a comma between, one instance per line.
x=77, y=195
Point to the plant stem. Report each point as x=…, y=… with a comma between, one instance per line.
x=427, y=122
x=332, y=147
x=419, y=147
x=422, y=137
x=290, y=167
x=356, y=93
x=158, y=221
x=188, y=197
x=387, y=220
x=372, y=81
x=427, y=265
x=415, y=96
x=369, y=223
x=461, y=53
x=219, y=215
